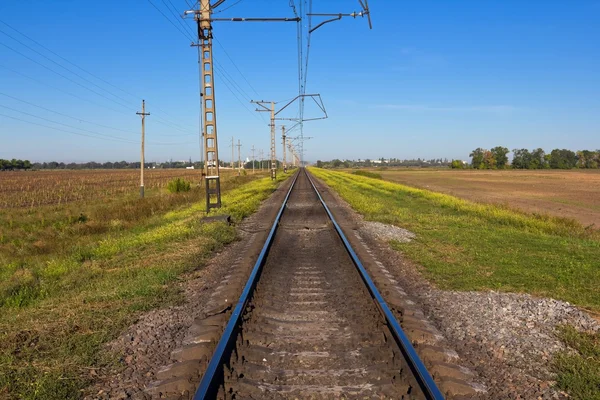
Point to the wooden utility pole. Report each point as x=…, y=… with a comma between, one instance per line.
x=239, y=146
x=143, y=115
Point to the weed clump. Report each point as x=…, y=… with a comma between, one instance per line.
x=178, y=185
x=579, y=369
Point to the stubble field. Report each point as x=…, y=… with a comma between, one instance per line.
x=20, y=189
x=570, y=194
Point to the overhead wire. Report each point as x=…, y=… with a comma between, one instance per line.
x=178, y=17
x=62, y=75
x=156, y=108
x=224, y=81
x=64, y=130
x=228, y=7
x=78, y=128
x=60, y=65
x=173, y=126
x=63, y=124
x=62, y=90
x=66, y=115
x=236, y=67
x=183, y=32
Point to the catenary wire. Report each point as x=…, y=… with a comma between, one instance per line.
x=156, y=108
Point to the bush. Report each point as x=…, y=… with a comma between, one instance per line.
x=457, y=164
x=367, y=174
x=178, y=185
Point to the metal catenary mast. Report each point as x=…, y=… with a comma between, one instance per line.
x=203, y=17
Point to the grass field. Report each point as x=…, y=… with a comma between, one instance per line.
x=72, y=278
x=572, y=194
x=463, y=245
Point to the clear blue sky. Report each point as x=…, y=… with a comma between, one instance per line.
x=432, y=79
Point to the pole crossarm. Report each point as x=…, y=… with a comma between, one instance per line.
x=243, y=19
x=337, y=16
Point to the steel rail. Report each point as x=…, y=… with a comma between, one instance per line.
x=209, y=385
x=423, y=377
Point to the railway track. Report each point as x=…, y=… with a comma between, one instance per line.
x=296, y=315
x=310, y=323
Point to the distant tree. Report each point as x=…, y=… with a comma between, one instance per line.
x=521, y=159
x=581, y=162
x=489, y=161
x=457, y=164
x=537, y=159
x=500, y=154
x=547, y=158
x=590, y=159
x=477, y=157
x=562, y=159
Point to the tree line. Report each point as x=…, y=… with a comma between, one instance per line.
x=382, y=162
x=14, y=164
x=497, y=158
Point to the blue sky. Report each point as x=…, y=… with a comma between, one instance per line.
x=432, y=79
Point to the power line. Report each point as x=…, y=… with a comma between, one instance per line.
x=61, y=75
x=236, y=67
x=60, y=65
x=102, y=137
x=66, y=115
x=159, y=120
x=177, y=17
x=63, y=130
x=62, y=90
x=228, y=7
x=239, y=89
x=60, y=123
x=184, y=33
x=156, y=108
x=217, y=70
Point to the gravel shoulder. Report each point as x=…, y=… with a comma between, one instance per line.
x=508, y=339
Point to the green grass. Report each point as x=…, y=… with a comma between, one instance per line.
x=463, y=245
x=93, y=278
x=579, y=370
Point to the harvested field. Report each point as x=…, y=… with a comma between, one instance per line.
x=36, y=188
x=570, y=194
